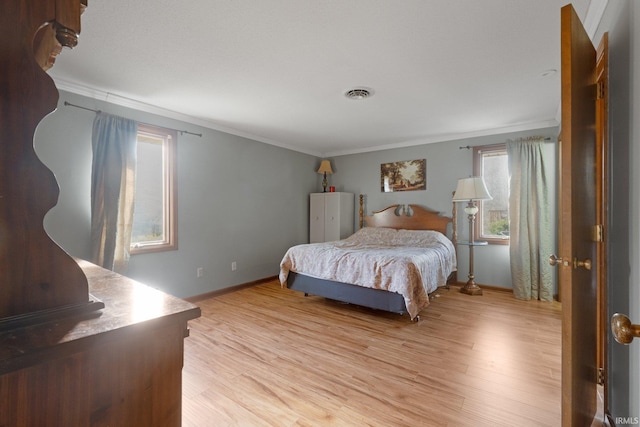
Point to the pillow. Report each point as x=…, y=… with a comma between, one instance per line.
x=419, y=238
x=373, y=236
x=392, y=237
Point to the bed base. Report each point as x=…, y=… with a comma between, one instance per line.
x=366, y=297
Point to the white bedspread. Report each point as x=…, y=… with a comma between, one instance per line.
x=412, y=263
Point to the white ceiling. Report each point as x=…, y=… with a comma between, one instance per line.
x=276, y=70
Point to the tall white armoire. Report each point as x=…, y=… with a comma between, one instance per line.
x=330, y=216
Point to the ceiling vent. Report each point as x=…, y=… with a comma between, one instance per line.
x=358, y=93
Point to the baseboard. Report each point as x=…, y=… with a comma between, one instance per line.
x=230, y=289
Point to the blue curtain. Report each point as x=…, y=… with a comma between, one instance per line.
x=530, y=227
x=112, y=190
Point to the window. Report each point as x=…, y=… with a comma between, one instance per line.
x=492, y=220
x=155, y=212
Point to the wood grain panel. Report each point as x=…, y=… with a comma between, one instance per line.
x=120, y=367
x=35, y=273
x=133, y=382
x=413, y=217
x=270, y=356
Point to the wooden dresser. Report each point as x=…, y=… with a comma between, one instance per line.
x=119, y=366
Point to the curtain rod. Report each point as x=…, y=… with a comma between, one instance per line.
x=100, y=111
x=468, y=147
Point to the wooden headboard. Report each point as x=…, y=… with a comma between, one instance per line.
x=408, y=217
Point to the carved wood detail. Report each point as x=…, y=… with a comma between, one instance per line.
x=35, y=273
x=410, y=217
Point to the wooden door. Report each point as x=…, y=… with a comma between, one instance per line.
x=577, y=212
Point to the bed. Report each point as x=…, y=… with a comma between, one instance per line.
x=393, y=262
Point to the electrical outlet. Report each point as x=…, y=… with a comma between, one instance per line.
x=234, y=266
x=199, y=272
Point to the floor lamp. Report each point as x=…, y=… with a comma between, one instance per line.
x=469, y=190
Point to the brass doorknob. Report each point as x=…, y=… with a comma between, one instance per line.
x=586, y=263
x=623, y=331
x=554, y=260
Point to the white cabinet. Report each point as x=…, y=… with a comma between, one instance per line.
x=331, y=216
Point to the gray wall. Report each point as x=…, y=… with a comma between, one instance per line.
x=245, y=201
x=622, y=21
x=446, y=163
x=238, y=200
x=634, y=159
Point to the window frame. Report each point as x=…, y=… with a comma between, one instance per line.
x=169, y=193
x=478, y=152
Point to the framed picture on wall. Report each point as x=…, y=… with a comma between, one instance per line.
x=408, y=175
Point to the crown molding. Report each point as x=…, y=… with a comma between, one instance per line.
x=450, y=137
x=122, y=101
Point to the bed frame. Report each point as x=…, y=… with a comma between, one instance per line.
x=408, y=217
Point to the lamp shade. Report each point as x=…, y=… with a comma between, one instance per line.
x=472, y=188
x=325, y=167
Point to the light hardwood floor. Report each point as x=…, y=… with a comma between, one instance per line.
x=267, y=356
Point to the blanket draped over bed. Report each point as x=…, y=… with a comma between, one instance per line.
x=412, y=263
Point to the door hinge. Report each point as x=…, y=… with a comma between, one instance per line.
x=597, y=232
x=601, y=376
x=600, y=89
